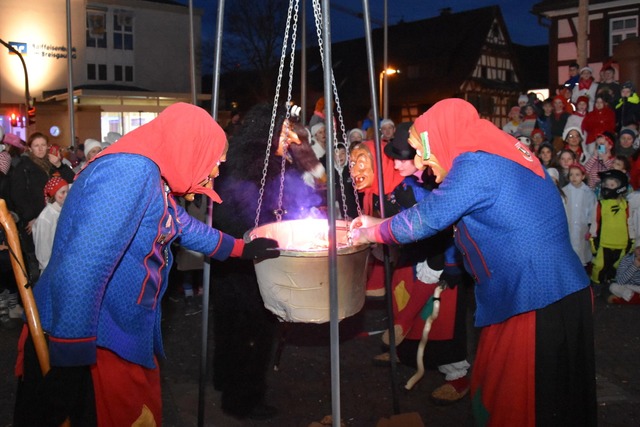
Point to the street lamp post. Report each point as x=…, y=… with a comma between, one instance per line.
x=384, y=97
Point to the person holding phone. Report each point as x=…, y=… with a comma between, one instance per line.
x=601, y=161
x=28, y=179
x=31, y=175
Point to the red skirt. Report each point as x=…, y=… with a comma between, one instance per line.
x=538, y=368
x=126, y=393
x=118, y=393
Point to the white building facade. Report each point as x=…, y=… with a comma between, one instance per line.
x=131, y=58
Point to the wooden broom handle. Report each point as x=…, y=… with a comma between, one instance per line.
x=30, y=309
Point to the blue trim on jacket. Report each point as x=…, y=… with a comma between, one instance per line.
x=511, y=229
x=110, y=262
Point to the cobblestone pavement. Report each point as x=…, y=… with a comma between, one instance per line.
x=301, y=387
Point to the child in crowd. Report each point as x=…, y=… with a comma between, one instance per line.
x=576, y=119
x=601, y=161
x=537, y=138
x=545, y=154
x=44, y=228
x=621, y=163
x=557, y=121
x=587, y=87
x=387, y=130
x=319, y=140
x=544, y=120
x=625, y=145
x=580, y=203
x=341, y=166
x=609, y=229
x=565, y=159
x=529, y=120
x=626, y=288
x=628, y=107
x=355, y=135
x=511, y=127
x=601, y=119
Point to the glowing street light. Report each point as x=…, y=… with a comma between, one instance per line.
x=384, y=96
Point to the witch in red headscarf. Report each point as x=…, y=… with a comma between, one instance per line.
x=535, y=362
x=99, y=297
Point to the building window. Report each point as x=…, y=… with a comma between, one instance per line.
x=621, y=29
x=509, y=76
x=122, y=30
x=410, y=113
x=97, y=72
x=123, y=73
x=96, y=29
x=128, y=73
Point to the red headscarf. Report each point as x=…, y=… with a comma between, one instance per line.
x=390, y=177
x=184, y=141
x=454, y=127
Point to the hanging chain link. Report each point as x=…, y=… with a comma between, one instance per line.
x=293, y=5
x=292, y=12
x=285, y=142
x=317, y=14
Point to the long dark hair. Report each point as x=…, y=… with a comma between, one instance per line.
x=42, y=163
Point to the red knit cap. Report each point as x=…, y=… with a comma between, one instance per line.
x=538, y=131
x=52, y=186
x=582, y=98
x=578, y=166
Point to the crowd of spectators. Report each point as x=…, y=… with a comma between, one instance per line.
x=582, y=134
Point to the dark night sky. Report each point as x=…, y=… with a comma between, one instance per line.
x=522, y=25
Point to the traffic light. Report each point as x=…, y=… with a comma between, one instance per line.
x=32, y=116
x=14, y=120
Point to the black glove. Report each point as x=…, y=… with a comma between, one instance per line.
x=450, y=280
x=63, y=391
x=260, y=248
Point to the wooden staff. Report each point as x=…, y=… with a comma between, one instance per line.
x=30, y=309
x=29, y=303
x=423, y=341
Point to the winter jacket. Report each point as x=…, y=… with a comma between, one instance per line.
x=27, y=187
x=116, y=276
x=511, y=233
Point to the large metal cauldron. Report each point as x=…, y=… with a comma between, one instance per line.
x=295, y=286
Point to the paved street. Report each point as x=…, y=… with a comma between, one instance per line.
x=301, y=388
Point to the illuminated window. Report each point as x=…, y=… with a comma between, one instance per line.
x=621, y=29
x=96, y=29
x=122, y=30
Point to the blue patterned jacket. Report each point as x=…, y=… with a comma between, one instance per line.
x=110, y=262
x=511, y=228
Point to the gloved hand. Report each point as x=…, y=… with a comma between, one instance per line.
x=62, y=391
x=404, y=198
x=451, y=280
x=260, y=248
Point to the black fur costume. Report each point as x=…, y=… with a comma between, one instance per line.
x=244, y=331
